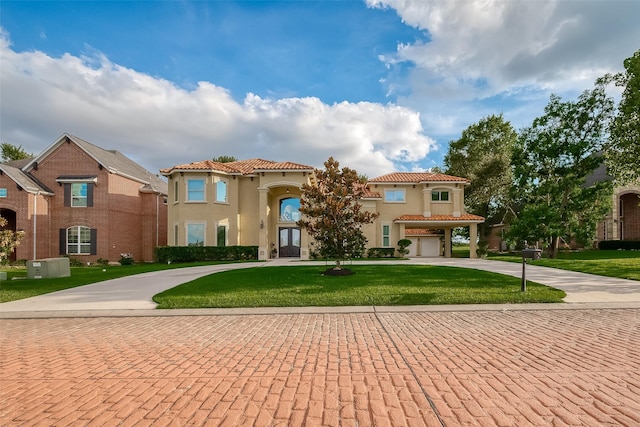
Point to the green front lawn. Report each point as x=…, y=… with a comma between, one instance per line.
x=21, y=287
x=622, y=264
x=371, y=285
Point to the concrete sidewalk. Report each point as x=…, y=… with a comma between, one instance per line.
x=136, y=292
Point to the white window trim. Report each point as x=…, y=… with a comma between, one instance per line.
x=176, y=192
x=3, y=190
x=186, y=232
x=204, y=190
x=78, y=245
x=402, y=190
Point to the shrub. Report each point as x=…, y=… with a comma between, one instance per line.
x=619, y=244
x=380, y=252
x=177, y=254
x=402, y=246
x=126, y=259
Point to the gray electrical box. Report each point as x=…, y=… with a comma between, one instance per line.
x=48, y=268
x=532, y=253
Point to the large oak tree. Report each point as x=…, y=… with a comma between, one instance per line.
x=552, y=159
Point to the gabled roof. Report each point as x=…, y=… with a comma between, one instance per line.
x=417, y=178
x=112, y=160
x=24, y=180
x=242, y=167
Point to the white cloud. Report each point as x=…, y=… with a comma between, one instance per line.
x=160, y=125
x=478, y=49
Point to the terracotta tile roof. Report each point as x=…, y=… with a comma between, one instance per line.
x=421, y=232
x=244, y=167
x=417, y=177
x=464, y=217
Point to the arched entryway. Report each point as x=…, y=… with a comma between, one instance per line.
x=629, y=216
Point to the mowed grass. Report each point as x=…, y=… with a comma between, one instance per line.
x=621, y=264
x=302, y=286
x=21, y=287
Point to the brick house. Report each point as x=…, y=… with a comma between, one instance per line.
x=85, y=202
x=255, y=203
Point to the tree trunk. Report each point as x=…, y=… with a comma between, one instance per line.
x=553, y=250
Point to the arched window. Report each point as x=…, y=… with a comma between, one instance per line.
x=290, y=209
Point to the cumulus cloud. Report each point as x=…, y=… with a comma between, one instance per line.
x=160, y=124
x=521, y=50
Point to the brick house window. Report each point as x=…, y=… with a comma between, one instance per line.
x=3, y=192
x=78, y=194
x=78, y=240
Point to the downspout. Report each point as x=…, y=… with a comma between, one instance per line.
x=35, y=224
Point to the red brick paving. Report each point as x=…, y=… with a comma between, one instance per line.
x=501, y=368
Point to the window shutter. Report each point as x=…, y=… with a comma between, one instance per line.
x=63, y=241
x=94, y=242
x=90, y=195
x=67, y=195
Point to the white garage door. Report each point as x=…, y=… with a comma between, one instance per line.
x=430, y=246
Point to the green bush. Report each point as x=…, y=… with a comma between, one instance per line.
x=628, y=245
x=380, y=252
x=126, y=259
x=178, y=254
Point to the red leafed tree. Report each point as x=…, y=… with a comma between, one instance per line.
x=332, y=214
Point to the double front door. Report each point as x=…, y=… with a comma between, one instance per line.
x=289, y=242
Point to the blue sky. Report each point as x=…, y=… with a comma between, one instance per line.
x=380, y=85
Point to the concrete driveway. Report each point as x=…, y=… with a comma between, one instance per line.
x=136, y=292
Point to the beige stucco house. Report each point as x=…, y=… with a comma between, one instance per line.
x=255, y=203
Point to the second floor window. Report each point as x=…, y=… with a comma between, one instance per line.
x=440, y=196
x=394, y=196
x=221, y=191
x=195, y=190
x=79, y=194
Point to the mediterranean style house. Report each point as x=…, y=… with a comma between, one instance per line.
x=85, y=202
x=256, y=203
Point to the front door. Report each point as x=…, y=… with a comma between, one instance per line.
x=289, y=242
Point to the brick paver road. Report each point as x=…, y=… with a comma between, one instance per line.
x=506, y=368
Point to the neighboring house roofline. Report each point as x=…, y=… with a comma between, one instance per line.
x=24, y=180
x=111, y=160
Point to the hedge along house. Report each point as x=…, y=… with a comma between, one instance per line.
x=255, y=203
x=423, y=207
x=244, y=203
x=79, y=200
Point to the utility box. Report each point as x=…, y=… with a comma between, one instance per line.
x=48, y=268
x=532, y=253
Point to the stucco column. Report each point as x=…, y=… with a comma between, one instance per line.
x=447, y=242
x=426, y=202
x=473, y=237
x=263, y=246
x=457, y=202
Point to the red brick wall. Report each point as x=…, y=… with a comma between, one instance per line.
x=121, y=214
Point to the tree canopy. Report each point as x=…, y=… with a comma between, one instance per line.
x=225, y=159
x=483, y=155
x=12, y=152
x=551, y=161
x=623, y=148
x=332, y=214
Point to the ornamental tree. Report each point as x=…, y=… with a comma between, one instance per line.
x=9, y=240
x=332, y=214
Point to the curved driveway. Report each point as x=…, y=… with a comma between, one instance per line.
x=136, y=292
